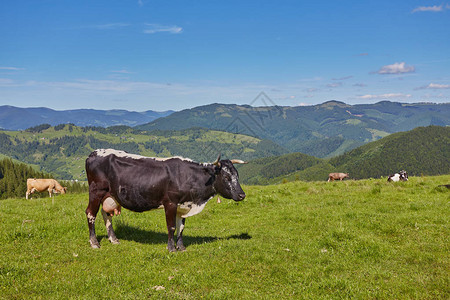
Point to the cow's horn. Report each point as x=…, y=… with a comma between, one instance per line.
x=217, y=162
x=238, y=161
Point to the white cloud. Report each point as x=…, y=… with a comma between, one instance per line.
x=434, y=8
x=342, y=78
x=155, y=28
x=11, y=68
x=434, y=86
x=5, y=82
x=121, y=71
x=384, y=96
x=110, y=26
x=360, y=85
x=396, y=68
x=334, y=84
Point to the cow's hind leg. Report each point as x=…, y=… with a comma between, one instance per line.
x=171, y=214
x=180, y=227
x=109, y=228
x=96, y=194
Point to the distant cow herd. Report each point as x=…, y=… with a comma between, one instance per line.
x=400, y=176
x=181, y=186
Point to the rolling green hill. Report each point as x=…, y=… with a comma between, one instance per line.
x=323, y=130
x=422, y=151
x=61, y=150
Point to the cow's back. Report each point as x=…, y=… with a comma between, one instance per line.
x=137, y=184
x=39, y=184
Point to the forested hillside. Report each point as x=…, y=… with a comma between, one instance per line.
x=422, y=151
x=289, y=166
x=13, y=178
x=323, y=130
x=61, y=150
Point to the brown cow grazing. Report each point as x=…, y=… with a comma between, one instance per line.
x=336, y=176
x=40, y=185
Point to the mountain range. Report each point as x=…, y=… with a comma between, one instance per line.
x=323, y=130
x=16, y=118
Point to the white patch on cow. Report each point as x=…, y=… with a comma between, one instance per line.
x=119, y=153
x=395, y=177
x=91, y=218
x=179, y=225
x=189, y=209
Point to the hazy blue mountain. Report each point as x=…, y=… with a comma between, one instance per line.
x=16, y=118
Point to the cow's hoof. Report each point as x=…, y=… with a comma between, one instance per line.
x=95, y=245
x=114, y=241
x=181, y=248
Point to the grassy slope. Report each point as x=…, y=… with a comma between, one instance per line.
x=318, y=240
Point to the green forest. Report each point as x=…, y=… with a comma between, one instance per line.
x=421, y=151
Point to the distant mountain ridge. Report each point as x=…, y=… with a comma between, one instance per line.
x=16, y=118
x=323, y=130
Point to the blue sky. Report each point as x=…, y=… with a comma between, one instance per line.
x=158, y=55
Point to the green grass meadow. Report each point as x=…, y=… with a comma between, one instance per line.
x=366, y=239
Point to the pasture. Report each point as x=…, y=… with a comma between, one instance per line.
x=304, y=240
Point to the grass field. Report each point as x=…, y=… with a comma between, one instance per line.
x=366, y=239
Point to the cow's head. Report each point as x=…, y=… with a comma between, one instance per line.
x=227, y=179
x=61, y=190
x=403, y=175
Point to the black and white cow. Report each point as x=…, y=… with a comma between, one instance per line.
x=400, y=176
x=180, y=186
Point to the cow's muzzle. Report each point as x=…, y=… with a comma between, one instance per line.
x=240, y=196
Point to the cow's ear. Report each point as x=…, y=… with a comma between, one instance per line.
x=212, y=176
x=217, y=169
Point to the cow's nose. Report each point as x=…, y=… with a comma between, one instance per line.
x=241, y=196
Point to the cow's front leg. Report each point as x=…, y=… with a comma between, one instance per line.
x=109, y=228
x=171, y=214
x=96, y=194
x=180, y=227
x=91, y=224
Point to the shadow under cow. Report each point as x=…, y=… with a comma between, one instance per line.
x=131, y=233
